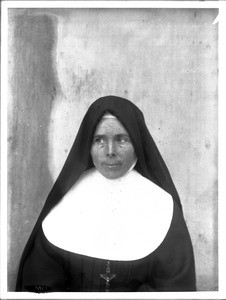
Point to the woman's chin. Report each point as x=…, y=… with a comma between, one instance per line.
x=112, y=173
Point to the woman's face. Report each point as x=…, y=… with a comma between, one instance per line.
x=112, y=150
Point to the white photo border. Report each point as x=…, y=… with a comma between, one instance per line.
x=221, y=5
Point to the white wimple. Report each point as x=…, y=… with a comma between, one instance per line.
x=120, y=219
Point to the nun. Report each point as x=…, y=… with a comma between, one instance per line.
x=113, y=221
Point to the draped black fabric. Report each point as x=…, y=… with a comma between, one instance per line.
x=170, y=267
x=149, y=161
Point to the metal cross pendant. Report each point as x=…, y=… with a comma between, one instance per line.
x=108, y=276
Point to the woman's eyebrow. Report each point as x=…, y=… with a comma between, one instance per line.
x=98, y=135
x=122, y=134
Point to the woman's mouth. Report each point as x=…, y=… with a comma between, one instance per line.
x=112, y=165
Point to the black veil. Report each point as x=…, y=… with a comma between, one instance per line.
x=150, y=163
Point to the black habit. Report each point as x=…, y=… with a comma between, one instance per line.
x=47, y=268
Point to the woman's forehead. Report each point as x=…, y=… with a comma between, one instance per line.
x=110, y=126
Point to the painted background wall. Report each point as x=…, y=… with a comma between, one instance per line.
x=164, y=60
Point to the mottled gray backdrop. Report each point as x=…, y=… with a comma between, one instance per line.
x=164, y=60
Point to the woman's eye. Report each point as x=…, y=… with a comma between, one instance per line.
x=122, y=139
x=98, y=140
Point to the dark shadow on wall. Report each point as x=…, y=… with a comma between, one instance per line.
x=34, y=86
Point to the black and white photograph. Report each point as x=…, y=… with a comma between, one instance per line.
x=111, y=150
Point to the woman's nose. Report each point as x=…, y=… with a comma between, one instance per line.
x=111, y=149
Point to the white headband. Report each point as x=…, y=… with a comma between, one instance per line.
x=108, y=115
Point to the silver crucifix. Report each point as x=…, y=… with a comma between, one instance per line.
x=108, y=276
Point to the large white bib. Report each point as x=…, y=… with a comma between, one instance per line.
x=120, y=219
